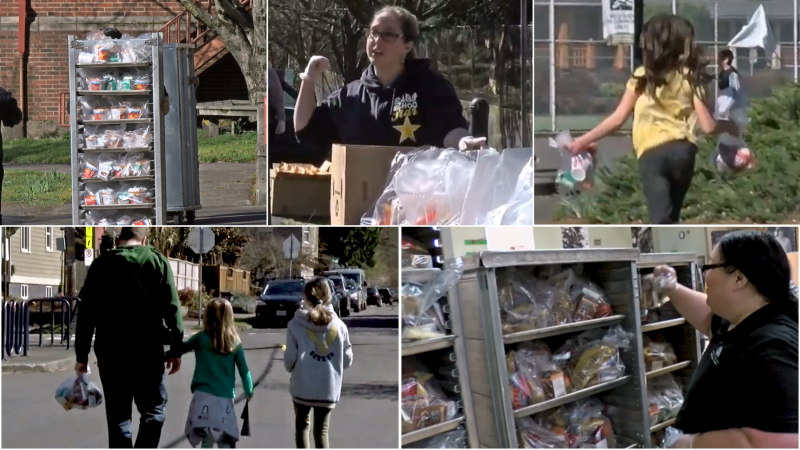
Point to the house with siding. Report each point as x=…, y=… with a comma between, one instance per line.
x=36, y=263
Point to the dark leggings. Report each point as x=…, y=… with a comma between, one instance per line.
x=666, y=173
x=302, y=421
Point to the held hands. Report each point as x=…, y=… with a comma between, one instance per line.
x=471, y=143
x=317, y=65
x=81, y=368
x=174, y=364
x=280, y=128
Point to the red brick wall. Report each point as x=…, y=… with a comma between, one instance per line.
x=47, y=74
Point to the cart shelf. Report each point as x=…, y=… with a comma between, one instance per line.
x=569, y=398
x=120, y=179
x=663, y=324
x=115, y=121
x=668, y=369
x=427, y=345
x=113, y=65
x=115, y=150
x=115, y=207
x=662, y=425
x=427, y=432
x=147, y=92
x=557, y=330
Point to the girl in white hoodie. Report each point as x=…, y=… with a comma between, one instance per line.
x=318, y=351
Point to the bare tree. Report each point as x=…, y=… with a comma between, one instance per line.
x=245, y=36
x=264, y=257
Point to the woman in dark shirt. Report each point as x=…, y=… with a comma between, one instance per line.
x=398, y=101
x=744, y=392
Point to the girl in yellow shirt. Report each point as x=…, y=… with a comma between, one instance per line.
x=666, y=96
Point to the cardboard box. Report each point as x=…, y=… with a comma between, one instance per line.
x=358, y=177
x=299, y=196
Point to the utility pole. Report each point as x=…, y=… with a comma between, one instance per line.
x=638, y=22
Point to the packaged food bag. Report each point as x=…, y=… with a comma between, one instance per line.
x=577, y=171
x=424, y=404
x=78, y=393
x=422, y=315
x=732, y=154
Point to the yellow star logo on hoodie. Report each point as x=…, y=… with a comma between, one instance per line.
x=407, y=130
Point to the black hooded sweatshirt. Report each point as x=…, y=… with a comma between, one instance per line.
x=419, y=108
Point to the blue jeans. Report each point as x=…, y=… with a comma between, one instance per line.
x=125, y=383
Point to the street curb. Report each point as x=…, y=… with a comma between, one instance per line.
x=48, y=367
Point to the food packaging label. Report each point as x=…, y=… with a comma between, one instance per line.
x=559, y=387
x=409, y=388
x=90, y=200
x=602, y=444
x=108, y=198
x=85, y=58
x=432, y=415
x=657, y=365
x=134, y=113
x=125, y=84
x=90, y=171
x=587, y=308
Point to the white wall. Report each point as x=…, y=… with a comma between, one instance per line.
x=668, y=240
x=610, y=237
x=547, y=238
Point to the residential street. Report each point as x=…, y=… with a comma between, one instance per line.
x=366, y=417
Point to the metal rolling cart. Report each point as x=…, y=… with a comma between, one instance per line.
x=81, y=56
x=667, y=322
x=180, y=140
x=446, y=357
x=615, y=271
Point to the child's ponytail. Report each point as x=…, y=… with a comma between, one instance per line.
x=319, y=296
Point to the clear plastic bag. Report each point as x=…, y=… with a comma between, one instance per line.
x=671, y=435
x=590, y=300
x=520, y=308
x=670, y=392
x=414, y=256
x=525, y=383
x=588, y=427
x=134, y=194
x=732, y=154
x=658, y=355
x=577, y=171
x=598, y=361
x=105, y=166
x=500, y=192
x=135, y=165
x=88, y=166
x=78, y=392
x=533, y=435
x=423, y=318
x=424, y=404
x=452, y=439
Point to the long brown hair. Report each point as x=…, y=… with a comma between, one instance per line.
x=409, y=25
x=220, y=327
x=318, y=296
x=669, y=49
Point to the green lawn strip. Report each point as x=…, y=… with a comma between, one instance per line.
x=226, y=148
x=31, y=189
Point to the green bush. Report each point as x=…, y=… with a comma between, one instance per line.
x=767, y=195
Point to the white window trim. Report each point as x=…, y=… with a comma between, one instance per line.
x=22, y=240
x=24, y=291
x=48, y=239
x=48, y=291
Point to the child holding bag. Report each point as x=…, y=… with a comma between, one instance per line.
x=219, y=353
x=667, y=98
x=318, y=351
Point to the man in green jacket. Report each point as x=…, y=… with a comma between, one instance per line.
x=130, y=306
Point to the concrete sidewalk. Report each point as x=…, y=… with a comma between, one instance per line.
x=224, y=197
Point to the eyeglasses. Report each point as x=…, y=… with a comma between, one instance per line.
x=387, y=36
x=707, y=267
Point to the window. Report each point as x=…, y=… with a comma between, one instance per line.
x=48, y=238
x=305, y=236
x=244, y=275
x=48, y=291
x=23, y=291
x=230, y=273
x=26, y=240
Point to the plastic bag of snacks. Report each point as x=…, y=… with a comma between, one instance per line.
x=534, y=435
x=521, y=308
x=524, y=380
x=424, y=404
x=588, y=427
x=653, y=289
x=134, y=194
x=577, y=171
x=78, y=392
x=670, y=394
x=590, y=300
x=452, y=439
x=732, y=154
x=423, y=317
x=658, y=355
x=598, y=361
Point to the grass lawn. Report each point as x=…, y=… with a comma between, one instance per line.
x=25, y=188
x=226, y=148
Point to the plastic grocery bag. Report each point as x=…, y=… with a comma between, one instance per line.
x=577, y=171
x=424, y=404
x=78, y=393
x=533, y=435
x=598, y=361
x=501, y=190
x=423, y=318
x=588, y=427
x=451, y=439
x=732, y=154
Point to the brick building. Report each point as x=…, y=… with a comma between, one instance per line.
x=44, y=66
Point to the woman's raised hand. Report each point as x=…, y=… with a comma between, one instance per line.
x=317, y=65
x=668, y=278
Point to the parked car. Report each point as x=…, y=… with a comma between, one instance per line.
x=358, y=301
x=395, y=295
x=279, y=301
x=336, y=300
x=342, y=293
x=386, y=295
x=373, y=297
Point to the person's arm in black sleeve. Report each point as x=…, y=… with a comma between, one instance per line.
x=446, y=115
x=171, y=309
x=10, y=114
x=87, y=313
x=321, y=129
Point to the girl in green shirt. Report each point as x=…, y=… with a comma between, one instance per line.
x=218, y=353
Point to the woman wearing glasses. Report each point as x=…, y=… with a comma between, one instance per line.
x=743, y=393
x=399, y=100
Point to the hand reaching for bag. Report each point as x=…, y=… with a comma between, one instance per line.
x=471, y=143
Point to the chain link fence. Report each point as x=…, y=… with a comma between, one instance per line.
x=578, y=78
